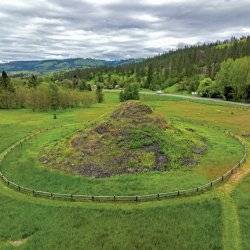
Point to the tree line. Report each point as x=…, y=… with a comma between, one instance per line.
x=39, y=94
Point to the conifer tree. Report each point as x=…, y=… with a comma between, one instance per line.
x=6, y=82
x=33, y=81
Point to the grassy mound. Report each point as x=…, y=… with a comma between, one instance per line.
x=132, y=140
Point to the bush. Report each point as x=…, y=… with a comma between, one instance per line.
x=228, y=93
x=131, y=92
x=203, y=89
x=209, y=88
x=82, y=86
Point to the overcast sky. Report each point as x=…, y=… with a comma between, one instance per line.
x=113, y=29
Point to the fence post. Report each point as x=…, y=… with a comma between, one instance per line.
x=136, y=198
x=211, y=184
x=197, y=189
x=114, y=197
x=158, y=196
x=178, y=193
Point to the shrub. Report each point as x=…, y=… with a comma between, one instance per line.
x=130, y=92
x=99, y=93
x=204, y=87
x=82, y=86
x=228, y=93
x=209, y=88
x=33, y=81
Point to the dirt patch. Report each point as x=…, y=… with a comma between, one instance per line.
x=18, y=243
x=246, y=134
x=161, y=162
x=93, y=171
x=189, y=162
x=236, y=178
x=103, y=128
x=199, y=150
x=241, y=173
x=190, y=129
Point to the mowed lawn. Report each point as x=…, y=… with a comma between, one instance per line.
x=186, y=223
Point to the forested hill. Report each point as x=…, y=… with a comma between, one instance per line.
x=183, y=66
x=45, y=66
x=191, y=61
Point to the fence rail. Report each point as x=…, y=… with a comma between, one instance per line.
x=114, y=198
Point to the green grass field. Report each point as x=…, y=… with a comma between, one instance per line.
x=241, y=198
x=218, y=219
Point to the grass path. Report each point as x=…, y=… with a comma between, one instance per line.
x=231, y=233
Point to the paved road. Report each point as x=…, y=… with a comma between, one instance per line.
x=199, y=98
x=193, y=98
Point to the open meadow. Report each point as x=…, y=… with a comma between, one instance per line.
x=217, y=219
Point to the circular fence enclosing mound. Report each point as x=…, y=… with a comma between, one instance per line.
x=137, y=198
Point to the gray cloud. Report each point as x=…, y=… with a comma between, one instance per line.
x=114, y=29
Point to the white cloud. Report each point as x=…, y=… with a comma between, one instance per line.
x=161, y=2
x=114, y=28
x=15, y=3
x=146, y=17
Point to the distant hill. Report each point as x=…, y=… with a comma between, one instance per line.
x=45, y=66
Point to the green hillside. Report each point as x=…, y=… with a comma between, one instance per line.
x=46, y=66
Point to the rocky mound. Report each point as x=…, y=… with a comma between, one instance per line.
x=132, y=140
x=132, y=109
